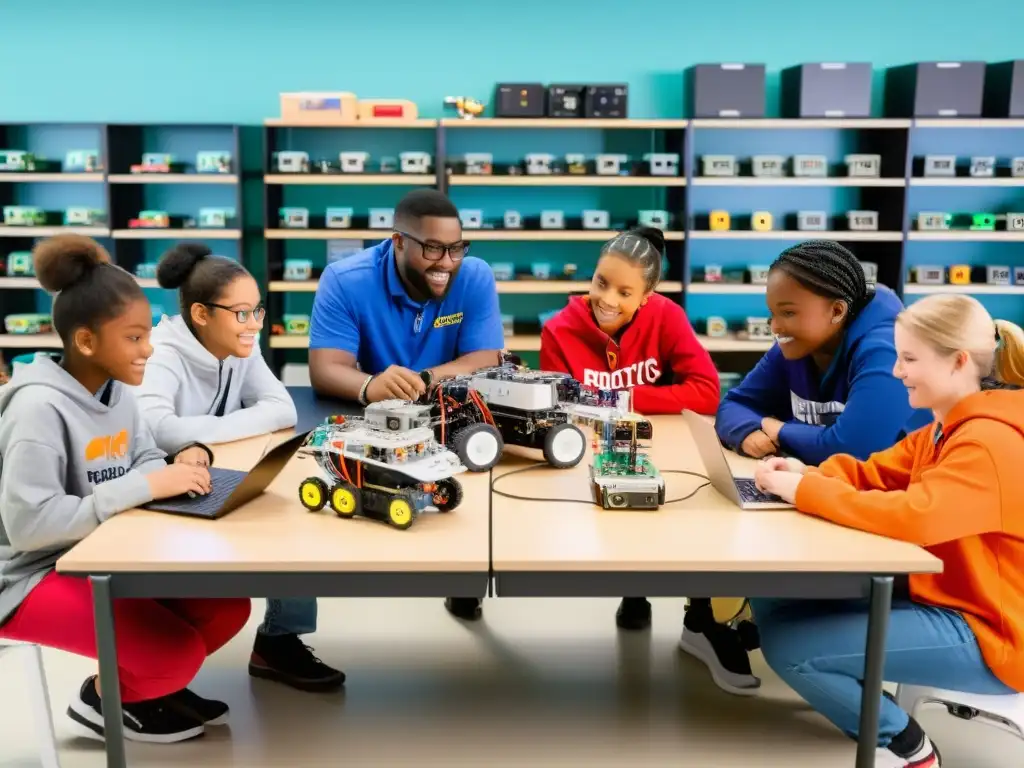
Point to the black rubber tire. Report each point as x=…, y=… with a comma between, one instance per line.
x=322, y=486
x=452, y=490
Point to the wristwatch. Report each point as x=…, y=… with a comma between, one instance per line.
x=362, y=392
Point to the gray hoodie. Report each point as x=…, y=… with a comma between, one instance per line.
x=188, y=395
x=68, y=462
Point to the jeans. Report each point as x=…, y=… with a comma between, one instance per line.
x=289, y=616
x=818, y=646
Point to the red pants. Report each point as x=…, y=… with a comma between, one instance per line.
x=161, y=644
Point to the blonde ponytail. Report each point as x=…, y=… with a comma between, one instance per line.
x=1009, y=363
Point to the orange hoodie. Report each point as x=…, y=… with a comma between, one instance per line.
x=957, y=493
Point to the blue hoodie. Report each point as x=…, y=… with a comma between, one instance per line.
x=858, y=407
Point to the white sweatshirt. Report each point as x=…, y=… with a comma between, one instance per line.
x=185, y=387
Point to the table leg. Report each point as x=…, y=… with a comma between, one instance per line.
x=110, y=685
x=874, y=663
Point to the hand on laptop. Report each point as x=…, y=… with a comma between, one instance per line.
x=196, y=456
x=774, y=476
x=178, y=480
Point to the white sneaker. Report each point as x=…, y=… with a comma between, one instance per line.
x=926, y=757
x=698, y=645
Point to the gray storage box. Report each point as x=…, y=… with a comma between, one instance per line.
x=831, y=89
x=726, y=90
x=1004, y=89
x=935, y=89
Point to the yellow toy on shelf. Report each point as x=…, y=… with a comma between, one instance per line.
x=467, y=108
x=761, y=221
x=719, y=221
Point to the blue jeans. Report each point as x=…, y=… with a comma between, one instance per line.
x=818, y=646
x=290, y=616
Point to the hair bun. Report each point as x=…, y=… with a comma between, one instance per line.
x=177, y=264
x=63, y=260
x=653, y=235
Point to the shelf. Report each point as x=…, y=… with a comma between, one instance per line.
x=522, y=343
x=966, y=181
x=473, y=235
x=797, y=123
x=172, y=178
x=177, y=234
x=8, y=231
x=732, y=344
x=796, y=181
x=30, y=341
x=565, y=180
x=289, y=342
x=576, y=123
x=781, y=234
x=351, y=179
x=31, y=284
x=277, y=122
x=911, y=289
x=968, y=123
x=72, y=178
x=504, y=286
x=722, y=288
x=948, y=235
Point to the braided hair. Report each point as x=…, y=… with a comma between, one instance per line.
x=827, y=269
x=642, y=246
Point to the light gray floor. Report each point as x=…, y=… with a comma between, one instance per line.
x=537, y=683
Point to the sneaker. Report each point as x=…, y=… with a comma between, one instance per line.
x=206, y=711
x=925, y=756
x=465, y=608
x=722, y=651
x=155, y=722
x=286, y=659
x=634, y=614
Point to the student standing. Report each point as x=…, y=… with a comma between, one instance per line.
x=625, y=336
x=73, y=453
x=951, y=488
x=207, y=379
x=825, y=387
x=415, y=308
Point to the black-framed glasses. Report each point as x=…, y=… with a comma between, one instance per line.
x=436, y=251
x=242, y=315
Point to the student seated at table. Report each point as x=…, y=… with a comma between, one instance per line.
x=74, y=452
x=414, y=308
x=207, y=379
x=625, y=336
x=825, y=387
x=953, y=488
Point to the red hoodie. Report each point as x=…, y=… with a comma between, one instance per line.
x=657, y=356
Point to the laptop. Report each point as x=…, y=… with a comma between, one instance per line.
x=229, y=488
x=741, y=491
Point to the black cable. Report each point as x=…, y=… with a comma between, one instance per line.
x=590, y=502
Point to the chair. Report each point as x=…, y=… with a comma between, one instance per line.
x=39, y=699
x=1004, y=712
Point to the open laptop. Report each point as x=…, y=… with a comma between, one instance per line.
x=739, y=490
x=229, y=488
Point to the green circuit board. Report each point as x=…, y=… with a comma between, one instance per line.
x=617, y=464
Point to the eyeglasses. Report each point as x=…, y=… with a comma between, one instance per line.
x=436, y=251
x=243, y=314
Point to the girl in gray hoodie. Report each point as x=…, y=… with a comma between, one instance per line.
x=74, y=453
x=208, y=381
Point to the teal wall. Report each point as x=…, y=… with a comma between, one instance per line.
x=227, y=60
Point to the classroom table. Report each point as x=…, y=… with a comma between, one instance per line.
x=703, y=546
x=273, y=547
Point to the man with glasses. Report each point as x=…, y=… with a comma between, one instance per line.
x=415, y=308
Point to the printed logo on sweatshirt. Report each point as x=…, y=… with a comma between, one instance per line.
x=635, y=375
x=814, y=412
x=444, y=320
x=108, y=448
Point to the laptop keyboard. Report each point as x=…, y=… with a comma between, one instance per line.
x=222, y=483
x=750, y=494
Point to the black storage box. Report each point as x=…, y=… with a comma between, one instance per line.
x=566, y=100
x=726, y=90
x=605, y=101
x=519, y=100
x=935, y=89
x=827, y=90
x=1004, y=89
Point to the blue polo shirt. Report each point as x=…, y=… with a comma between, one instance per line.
x=361, y=307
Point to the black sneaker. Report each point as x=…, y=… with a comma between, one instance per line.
x=634, y=614
x=206, y=711
x=286, y=659
x=720, y=647
x=465, y=608
x=155, y=722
